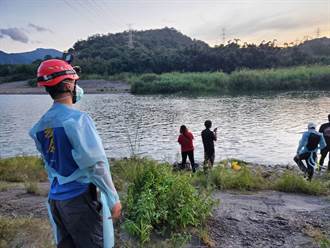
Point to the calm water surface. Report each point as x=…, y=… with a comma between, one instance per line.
x=262, y=128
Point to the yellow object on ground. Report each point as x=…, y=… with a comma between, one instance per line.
x=235, y=166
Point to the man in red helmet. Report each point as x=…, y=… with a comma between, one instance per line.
x=76, y=164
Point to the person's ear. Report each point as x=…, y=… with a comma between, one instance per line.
x=69, y=86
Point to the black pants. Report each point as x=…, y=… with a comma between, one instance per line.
x=309, y=169
x=190, y=154
x=78, y=221
x=324, y=153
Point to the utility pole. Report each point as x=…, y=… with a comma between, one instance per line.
x=130, y=36
x=318, y=32
x=223, y=35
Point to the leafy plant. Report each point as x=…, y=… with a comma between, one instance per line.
x=157, y=198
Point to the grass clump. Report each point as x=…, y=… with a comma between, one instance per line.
x=32, y=188
x=21, y=169
x=161, y=200
x=25, y=232
x=281, y=79
x=4, y=186
x=291, y=182
x=244, y=179
x=223, y=177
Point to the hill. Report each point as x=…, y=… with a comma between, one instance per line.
x=316, y=47
x=155, y=50
x=28, y=57
x=168, y=50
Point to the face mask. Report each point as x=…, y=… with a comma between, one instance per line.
x=79, y=93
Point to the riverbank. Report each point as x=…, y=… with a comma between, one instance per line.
x=238, y=82
x=250, y=213
x=96, y=86
x=244, y=81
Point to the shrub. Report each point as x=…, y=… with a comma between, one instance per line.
x=21, y=169
x=292, y=182
x=295, y=78
x=158, y=199
x=244, y=179
x=32, y=188
x=25, y=232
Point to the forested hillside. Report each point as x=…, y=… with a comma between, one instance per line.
x=166, y=50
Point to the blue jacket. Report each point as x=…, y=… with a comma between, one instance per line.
x=302, y=147
x=73, y=155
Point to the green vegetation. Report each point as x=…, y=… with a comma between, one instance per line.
x=157, y=201
x=292, y=182
x=21, y=169
x=32, y=188
x=4, y=186
x=9, y=73
x=297, y=78
x=25, y=232
x=160, y=200
x=167, y=50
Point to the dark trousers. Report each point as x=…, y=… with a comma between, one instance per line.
x=78, y=221
x=190, y=154
x=324, y=153
x=209, y=159
x=309, y=169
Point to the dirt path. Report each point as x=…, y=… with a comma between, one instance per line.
x=269, y=219
x=89, y=86
x=259, y=219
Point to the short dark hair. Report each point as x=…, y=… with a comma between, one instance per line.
x=208, y=124
x=57, y=89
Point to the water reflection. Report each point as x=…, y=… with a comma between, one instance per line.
x=263, y=128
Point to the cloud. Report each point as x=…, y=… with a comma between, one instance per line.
x=39, y=28
x=277, y=22
x=14, y=34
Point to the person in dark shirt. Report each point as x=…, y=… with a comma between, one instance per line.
x=208, y=138
x=325, y=129
x=187, y=147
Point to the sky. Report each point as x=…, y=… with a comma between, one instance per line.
x=29, y=24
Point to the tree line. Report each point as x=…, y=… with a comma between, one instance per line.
x=168, y=50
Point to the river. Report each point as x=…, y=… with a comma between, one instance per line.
x=256, y=128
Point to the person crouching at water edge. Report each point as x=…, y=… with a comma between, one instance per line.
x=76, y=164
x=310, y=142
x=208, y=138
x=185, y=139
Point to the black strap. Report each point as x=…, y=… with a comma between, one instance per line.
x=55, y=75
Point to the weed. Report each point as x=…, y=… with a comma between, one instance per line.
x=32, y=188
x=25, y=232
x=294, y=78
x=293, y=182
x=157, y=198
x=21, y=169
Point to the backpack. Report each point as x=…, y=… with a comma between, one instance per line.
x=313, y=141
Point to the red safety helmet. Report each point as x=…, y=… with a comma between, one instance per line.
x=54, y=71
